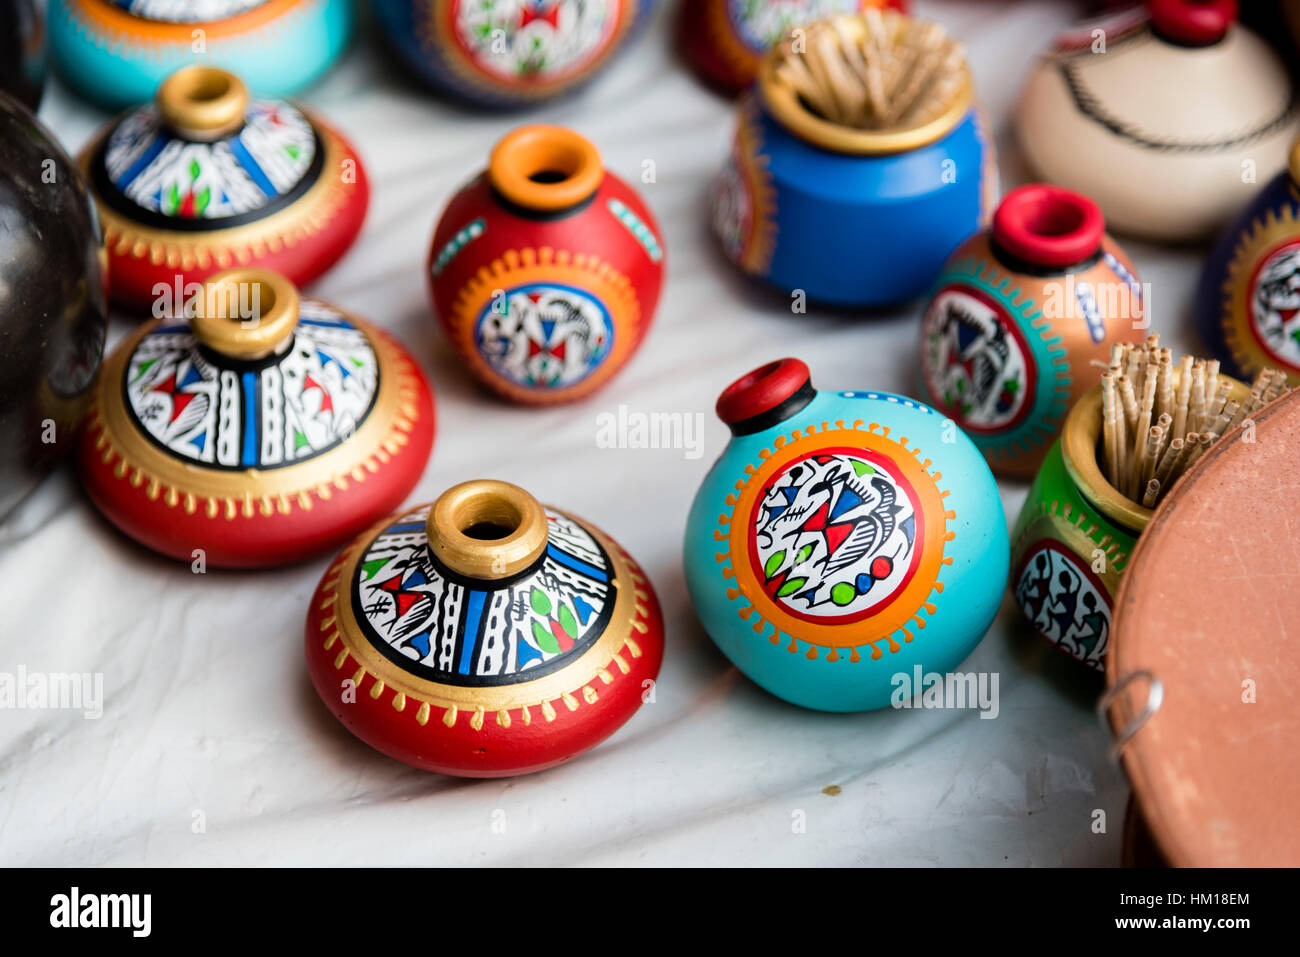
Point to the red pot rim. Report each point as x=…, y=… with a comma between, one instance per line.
x=762, y=390
x=1048, y=226
x=1196, y=23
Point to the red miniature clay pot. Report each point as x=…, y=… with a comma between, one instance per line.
x=205, y=179
x=545, y=270
x=257, y=443
x=483, y=636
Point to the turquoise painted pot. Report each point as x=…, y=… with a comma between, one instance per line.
x=116, y=52
x=842, y=540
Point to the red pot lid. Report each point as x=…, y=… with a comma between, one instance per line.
x=264, y=429
x=1205, y=606
x=485, y=635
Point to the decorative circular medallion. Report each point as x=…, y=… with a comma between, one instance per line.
x=975, y=360
x=760, y=25
x=263, y=414
x=833, y=535
x=1066, y=602
x=744, y=201
x=1273, y=303
x=544, y=41
x=838, y=536
x=158, y=172
x=441, y=626
x=187, y=11
x=544, y=335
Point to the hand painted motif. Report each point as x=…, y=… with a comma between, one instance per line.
x=453, y=630
x=259, y=415
x=834, y=535
x=544, y=335
x=545, y=39
x=1274, y=304
x=975, y=361
x=761, y=23
x=162, y=174
x=1065, y=601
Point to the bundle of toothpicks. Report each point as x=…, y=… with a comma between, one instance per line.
x=891, y=71
x=1153, y=429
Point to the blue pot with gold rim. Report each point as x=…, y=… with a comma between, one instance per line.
x=842, y=540
x=116, y=52
x=854, y=207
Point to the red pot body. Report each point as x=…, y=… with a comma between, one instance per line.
x=581, y=704
x=725, y=50
x=257, y=518
x=590, y=255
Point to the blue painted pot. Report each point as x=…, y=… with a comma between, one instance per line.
x=1248, y=301
x=851, y=218
x=506, y=54
x=116, y=52
x=843, y=540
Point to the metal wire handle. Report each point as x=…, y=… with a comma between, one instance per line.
x=1155, y=698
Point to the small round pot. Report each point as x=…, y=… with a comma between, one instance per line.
x=206, y=178
x=802, y=203
x=1248, y=301
x=842, y=540
x=725, y=41
x=1161, y=125
x=1074, y=537
x=485, y=635
x=116, y=52
x=263, y=430
x=508, y=54
x=545, y=270
x=1017, y=319
x=53, y=306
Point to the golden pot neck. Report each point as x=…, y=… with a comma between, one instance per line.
x=486, y=529
x=202, y=103
x=245, y=313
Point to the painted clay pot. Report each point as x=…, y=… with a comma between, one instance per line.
x=545, y=270
x=116, y=52
x=1188, y=674
x=724, y=41
x=52, y=301
x=206, y=178
x=802, y=202
x=1248, y=302
x=263, y=430
x=485, y=635
x=1161, y=128
x=22, y=51
x=842, y=539
x=508, y=54
x=1019, y=316
x=1074, y=536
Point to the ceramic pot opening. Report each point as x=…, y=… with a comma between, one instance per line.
x=1192, y=23
x=203, y=102
x=1048, y=226
x=487, y=529
x=767, y=395
x=545, y=168
x=245, y=313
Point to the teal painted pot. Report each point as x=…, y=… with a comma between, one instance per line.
x=116, y=52
x=842, y=540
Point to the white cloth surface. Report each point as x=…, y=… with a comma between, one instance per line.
x=209, y=716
